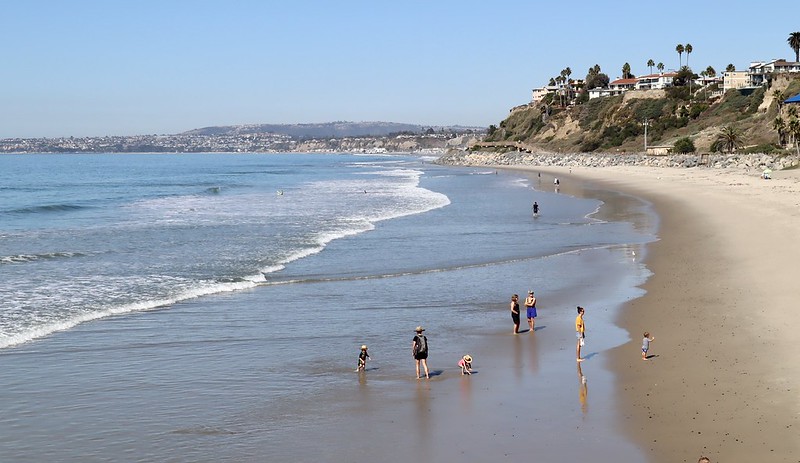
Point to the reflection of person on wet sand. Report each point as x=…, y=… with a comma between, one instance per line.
x=583, y=390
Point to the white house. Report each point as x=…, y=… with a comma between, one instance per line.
x=760, y=71
x=655, y=81
x=617, y=87
x=538, y=93
x=622, y=85
x=600, y=92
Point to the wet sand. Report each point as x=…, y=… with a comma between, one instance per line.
x=722, y=380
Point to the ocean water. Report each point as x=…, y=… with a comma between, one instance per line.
x=86, y=237
x=210, y=307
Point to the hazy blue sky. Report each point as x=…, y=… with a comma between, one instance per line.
x=141, y=67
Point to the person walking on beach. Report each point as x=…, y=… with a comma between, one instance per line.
x=580, y=331
x=646, y=344
x=530, y=306
x=515, y=312
x=419, y=350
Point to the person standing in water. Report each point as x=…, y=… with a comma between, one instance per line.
x=515, y=312
x=419, y=350
x=362, y=359
x=530, y=306
x=535, y=208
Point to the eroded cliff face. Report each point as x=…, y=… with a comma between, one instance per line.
x=617, y=124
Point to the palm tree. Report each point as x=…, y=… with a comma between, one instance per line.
x=688, y=49
x=567, y=73
x=729, y=139
x=650, y=64
x=779, y=97
x=704, y=74
x=660, y=67
x=711, y=72
x=794, y=43
x=626, y=71
x=794, y=129
x=730, y=68
x=679, y=48
x=780, y=126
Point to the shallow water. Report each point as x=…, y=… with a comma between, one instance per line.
x=235, y=376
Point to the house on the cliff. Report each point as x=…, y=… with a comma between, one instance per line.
x=655, y=81
x=733, y=80
x=620, y=86
x=760, y=72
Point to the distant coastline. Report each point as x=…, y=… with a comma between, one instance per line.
x=352, y=137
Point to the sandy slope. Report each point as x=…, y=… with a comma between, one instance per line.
x=725, y=380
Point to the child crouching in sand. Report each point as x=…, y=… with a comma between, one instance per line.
x=646, y=344
x=466, y=365
x=362, y=358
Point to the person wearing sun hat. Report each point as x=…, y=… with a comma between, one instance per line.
x=466, y=364
x=419, y=350
x=362, y=358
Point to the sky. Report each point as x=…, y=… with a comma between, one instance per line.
x=94, y=68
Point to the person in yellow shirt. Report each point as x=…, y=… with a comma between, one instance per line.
x=580, y=331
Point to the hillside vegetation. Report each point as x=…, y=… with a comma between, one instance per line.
x=615, y=124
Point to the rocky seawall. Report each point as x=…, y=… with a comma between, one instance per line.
x=714, y=161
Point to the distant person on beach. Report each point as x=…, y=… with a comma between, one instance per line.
x=646, y=344
x=515, y=312
x=362, y=358
x=466, y=364
x=580, y=331
x=535, y=208
x=530, y=306
x=419, y=349
x=556, y=182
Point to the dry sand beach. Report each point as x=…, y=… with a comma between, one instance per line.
x=723, y=379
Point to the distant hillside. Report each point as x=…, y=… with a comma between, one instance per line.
x=615, y=124
x=329, y=129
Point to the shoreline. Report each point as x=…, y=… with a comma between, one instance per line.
x=723, y=382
